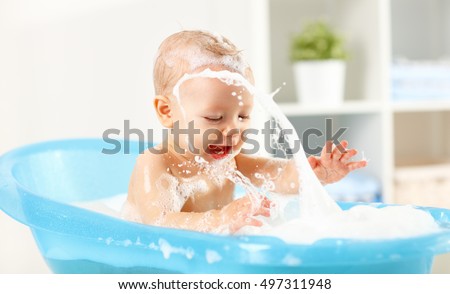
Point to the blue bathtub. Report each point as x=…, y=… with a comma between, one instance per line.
x=38, y=182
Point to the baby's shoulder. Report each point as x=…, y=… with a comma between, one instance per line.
x=153, y=162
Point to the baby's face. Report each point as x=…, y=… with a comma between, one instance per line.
x=219, y=114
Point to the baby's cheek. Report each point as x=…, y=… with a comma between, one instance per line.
x=246, y=130
x=246, y=124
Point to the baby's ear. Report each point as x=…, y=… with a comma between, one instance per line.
x=163, y=109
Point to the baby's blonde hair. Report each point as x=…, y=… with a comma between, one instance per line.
x=186, y=51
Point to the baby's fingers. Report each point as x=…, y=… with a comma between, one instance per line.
x=356, y=164
x=339, y=150
x=252, y=206
x=313, y=161
x=250, y=221
x=263, y=211
x=327, y=150
x=262, y=207
x=349, y=154
x=266, y=202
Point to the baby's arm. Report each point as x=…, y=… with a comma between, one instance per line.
x=282, y=172
x=332, y=165
x=229, y=219
x=151, y=195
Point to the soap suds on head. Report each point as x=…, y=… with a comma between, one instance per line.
x=225, y=76
x=217, y=52
x=188, y=51
x=198, y=59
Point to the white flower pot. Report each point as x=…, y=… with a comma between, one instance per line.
x=320, y=82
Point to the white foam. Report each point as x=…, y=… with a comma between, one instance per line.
x=212, y=256
x=363, y=222
x=167, y=250
x=227, y=77
x=176, y=191
x=111, y=206
x=197, y=58
x=291, y=260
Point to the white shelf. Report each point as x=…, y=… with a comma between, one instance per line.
x=376, y=32
x=348, y=107
x=421, y=106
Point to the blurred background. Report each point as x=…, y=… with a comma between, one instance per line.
x=72, y=69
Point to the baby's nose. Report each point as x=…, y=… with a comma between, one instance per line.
x=232, y=136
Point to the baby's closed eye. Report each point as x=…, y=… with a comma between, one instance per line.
x=213, y=118
x=242, y=117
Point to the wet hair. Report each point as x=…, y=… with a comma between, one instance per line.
x=187, y=51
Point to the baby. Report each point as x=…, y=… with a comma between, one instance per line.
x=188, y=181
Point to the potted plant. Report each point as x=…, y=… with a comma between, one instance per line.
x=318, y=57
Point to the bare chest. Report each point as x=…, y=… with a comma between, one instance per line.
x=209, y=196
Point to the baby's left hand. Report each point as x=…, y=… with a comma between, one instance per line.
x=333, y=165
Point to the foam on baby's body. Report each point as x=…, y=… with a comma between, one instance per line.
x=177, y=191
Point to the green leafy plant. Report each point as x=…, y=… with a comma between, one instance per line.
x=317, y=41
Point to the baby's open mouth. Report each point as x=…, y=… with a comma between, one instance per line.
x=219, y=151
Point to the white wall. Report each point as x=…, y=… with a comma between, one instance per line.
x=418, y=27
x=73, y=68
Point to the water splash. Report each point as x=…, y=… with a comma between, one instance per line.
x=315, y=201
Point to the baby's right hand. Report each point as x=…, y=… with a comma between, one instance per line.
x=241, y=212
